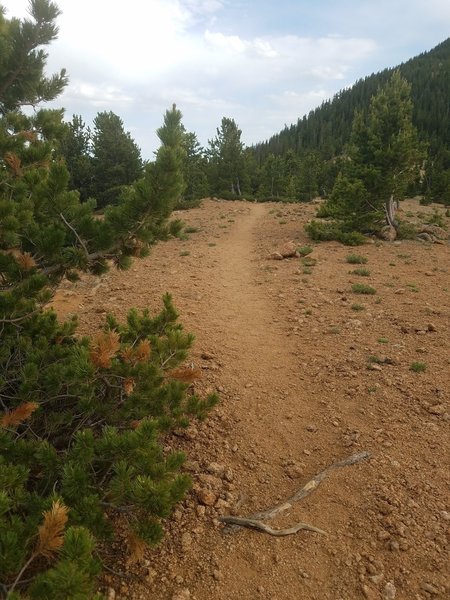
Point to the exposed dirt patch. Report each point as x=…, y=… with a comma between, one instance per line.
x=309, y=372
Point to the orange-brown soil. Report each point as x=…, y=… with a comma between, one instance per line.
x=305, y=379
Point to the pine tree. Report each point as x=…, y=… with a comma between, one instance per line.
x=227, y=163
x=80, y=418
x=383, y=159
x=76, y=148
x=116, y=159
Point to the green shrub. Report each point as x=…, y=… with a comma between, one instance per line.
x=362, y=272
x=304, y=250
x=406, y=231
x=417, y=367
x=330, y=230
x=361, y=288
x=83, y=433
x=357, y=307
x=356, y=259
x=436, y=219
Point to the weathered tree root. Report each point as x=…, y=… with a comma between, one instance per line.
x=255, y=521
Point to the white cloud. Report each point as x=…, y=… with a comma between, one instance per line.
x=231, y=58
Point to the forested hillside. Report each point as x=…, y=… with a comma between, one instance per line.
x=327, y=128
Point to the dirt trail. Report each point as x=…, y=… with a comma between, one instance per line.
x=289, y=353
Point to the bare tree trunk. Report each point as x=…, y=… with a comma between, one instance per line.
x=390, y=208
x=238, y=187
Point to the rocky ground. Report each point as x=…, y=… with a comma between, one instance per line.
x=309, y=372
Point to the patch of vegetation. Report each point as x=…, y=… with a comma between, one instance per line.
x=383, y=340
x=330, y=230
x=376, y=359
x=304, y=250
x=406, y=231
x=362, y=272
x=356, y=259
x=361, y=288
x=191, y=229
x=417, y=367
x=185, y=253
x=413, y=287
x=357, y=307
x=309, y=262
x=436, y=219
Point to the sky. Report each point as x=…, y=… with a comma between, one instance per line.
x=263, y=63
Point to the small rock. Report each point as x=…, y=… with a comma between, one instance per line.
x=206, y=497
x=228, y=475
x=394, y=545
x=431, y=327
x=215, y=468
x=374, y=367
x=289, y=249
x=186, y=541
x=437, y=409
x=388, y=233
x=111, y=594
x=275, y=256
x=389, y=591
x=431, y=589
x=217, y=575
x=207, y=356
x=184, y=594
x=311, y=428
x=376, y=579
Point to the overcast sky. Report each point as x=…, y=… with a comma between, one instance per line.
x=262, y=62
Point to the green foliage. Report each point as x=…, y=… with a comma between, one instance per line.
x=356, y=259
x=304, y=250
x=362, y=272
x=227, y=160
x=418, y=367
x=82, y=418
x=361, y=288
x=383, y=160
x=357, y=307
x=330, y=230
x=98, y=407
x=116, y=160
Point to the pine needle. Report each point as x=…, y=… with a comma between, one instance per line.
x=14, y=163
x=105, y=348
x=137, y=548
x=17, y=416
x=185, y=374
x=26, y=261
x=128, y=385
x=51, y=532
x=143, y=350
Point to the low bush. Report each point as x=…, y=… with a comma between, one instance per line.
x=361, y=288
x=330, y=230
x=80, y=443
x=356, y=259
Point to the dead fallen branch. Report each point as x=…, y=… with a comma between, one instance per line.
x=255, y=521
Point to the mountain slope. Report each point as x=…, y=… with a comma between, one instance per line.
x=327, y=128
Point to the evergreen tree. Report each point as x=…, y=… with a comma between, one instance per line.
x=195, y=166
x=227, y=163
x=22, y=60
x=80, y=418
x=76, y=148
x=116, y=158
x=384, y=156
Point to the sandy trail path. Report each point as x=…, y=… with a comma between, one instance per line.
x=289, y=356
